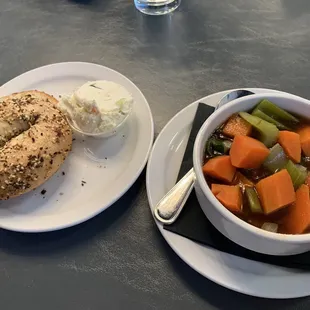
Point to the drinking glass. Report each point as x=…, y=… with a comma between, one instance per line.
x=157, y=7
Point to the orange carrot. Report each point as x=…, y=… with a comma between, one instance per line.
x=304, y=134
x=307, y=182
x=297, y=219
x=276, y=191
x=231, y=198
x=247, y=152
x=290, y=141
x=216, y=188
x=242, y=180
x=237, y=126
x=220, y=168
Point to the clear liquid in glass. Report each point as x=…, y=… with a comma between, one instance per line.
x=157, y=7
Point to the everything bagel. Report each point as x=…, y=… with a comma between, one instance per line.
x=35, y=139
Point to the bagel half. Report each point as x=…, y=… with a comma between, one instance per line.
x=35, y=139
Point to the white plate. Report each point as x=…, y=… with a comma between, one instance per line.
x=109, y=167
x=236, y=273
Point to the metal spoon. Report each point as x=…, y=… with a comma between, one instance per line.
x=170, y=206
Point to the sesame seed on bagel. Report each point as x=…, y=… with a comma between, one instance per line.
x=35, y=140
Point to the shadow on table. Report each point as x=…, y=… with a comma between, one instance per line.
x=220, y=297
x=41, y=244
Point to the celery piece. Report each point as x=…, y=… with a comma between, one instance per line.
x=257, y=112
x=298, y=173
x=268, y=133
x=275, y=112
x=276, y=159
x=209, y=147
x=222, y=146
x=217, y=146
x=253, y=200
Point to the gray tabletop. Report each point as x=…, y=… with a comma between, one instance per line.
x=119, y=260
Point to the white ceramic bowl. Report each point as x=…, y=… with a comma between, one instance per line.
x=227, y=223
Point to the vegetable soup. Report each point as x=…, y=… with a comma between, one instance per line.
x=257, y=165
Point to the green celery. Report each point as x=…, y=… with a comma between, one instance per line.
x=276, y=159
x=268, y=133
x=209, y=148
x=298, y=173
x=222, y=146
x=253, y=200
x=218, y=146
x=276, y=112
x=258, y=113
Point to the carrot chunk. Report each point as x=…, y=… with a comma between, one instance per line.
x=276, y=191
x=290, y=142
x=237, y=126
x=229, y=196
x=216, y=188
x=297, y=220
x=304, y=134
x=247, y=152
x=220, y=168
x=307, y=182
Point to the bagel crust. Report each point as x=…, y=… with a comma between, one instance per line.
x=35, y=139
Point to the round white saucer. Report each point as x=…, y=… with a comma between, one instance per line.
x=236, y=273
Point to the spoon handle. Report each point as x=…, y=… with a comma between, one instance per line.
x=170, y=206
